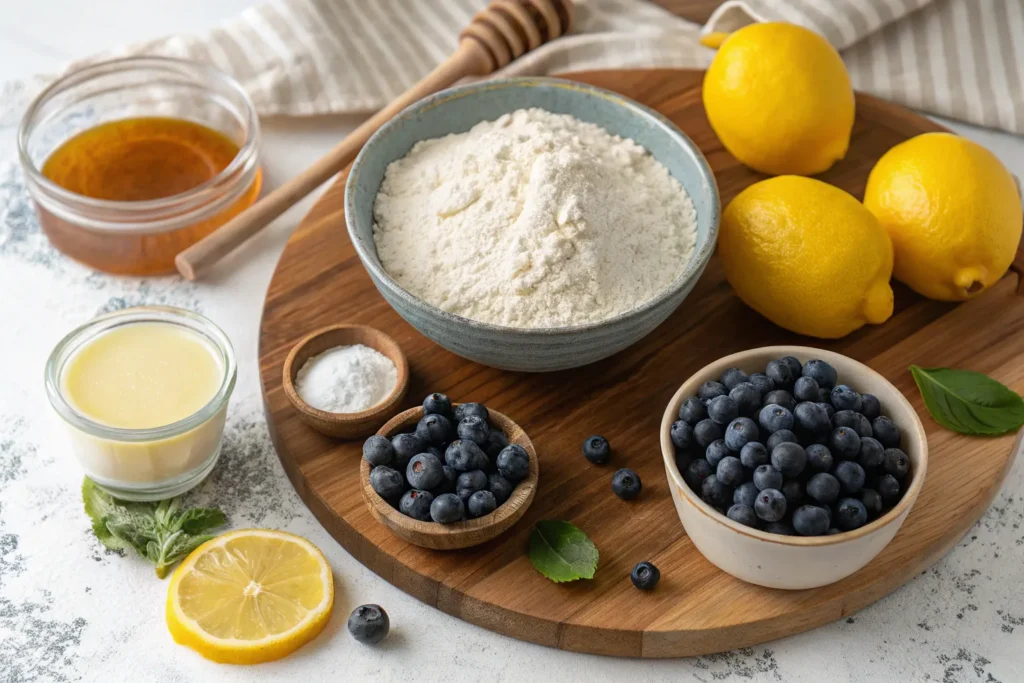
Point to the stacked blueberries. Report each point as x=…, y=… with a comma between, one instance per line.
x=790, y=450
x=454, y=466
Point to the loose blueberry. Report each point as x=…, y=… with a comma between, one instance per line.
x=823, y=487
x=710, y=390
x=889, y=489
x=886, y=431
x=744, y=514
x=723, y=410
x=870, y=407
x=795, y=368
x=434, y=430
x=806, y=389
x=377, y=450
x=715, y=451
x=871, y=455
x=706, y=431
x=732, y=377
x=850, y=475
x=514, y=463
x=464, y=410
x=851, y=514
x=767, y=477
x=447, y=508
x=369, y=624
x=811, y=418
x=406, y=446
x=388, y=483
x=681, y=433
x=692, y=411
x=645, y=576
x=496, y=442
x=770, y=505
x=872, y=502
x=740, y=432
x=730, y=471
x=845, y=398
x=780, y=373
x=845, y=443
x=793, y=491
x=597, y=450
x=810, y=520
x=696, y=472
x=819, y=458
x=781, y=436
x=424, y=471
x=475, y=429
x=745, y=494
x=780, y=528
x=896, y=462
x=481, y=503
x=463, y=455
x=416, y=504
x=469, y=483
x=715, y=493
x=500, y=486
x=438, y=404
x=780, y=397
x=626, y=484
x=754, y=454
x=789, y=458
x=762, y=382
x=822, y=373
x=774, y=418
x=747, y=398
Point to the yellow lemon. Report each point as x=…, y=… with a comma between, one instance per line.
x=952, y=211
x=780, y=100
x=250, y=596
x=807, y=256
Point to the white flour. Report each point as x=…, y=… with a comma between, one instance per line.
x=533, y=220
x=346, y=379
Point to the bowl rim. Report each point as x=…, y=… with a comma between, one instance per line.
x=915, y=430
x=694, y=267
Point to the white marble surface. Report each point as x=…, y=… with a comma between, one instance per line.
x=70, y=611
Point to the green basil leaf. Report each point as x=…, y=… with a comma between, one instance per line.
x=969, y=402
x=562, y=552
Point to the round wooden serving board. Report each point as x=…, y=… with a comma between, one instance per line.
x=696, y=608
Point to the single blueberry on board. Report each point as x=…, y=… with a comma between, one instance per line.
x=896, y=462
x=696, y=472
x=754, y=454
x=871, y=455
x=710, y=390
x=464, y=410
x=767, y=477
x=850, y=475
x=886, y=431
x=762, y=382
x=870, y=408
x=740, y=432
x=845, y=443
x=369, y=624
x=645, y=576
x=780, y=373
x=810, y=520
x=806, y=389
x=824, y=488
x=789, y=458
x=514, y=463
x=434, y=430
x=416, y=504
x=845, y=398
x=742, y=513
x=733, y=376
x=822, y=373
x=424, y=471
x=780, y=397
x=597, y=450
x=706, y=431
x=730, y=471
x=626, y=484
x=500, y=486
x=851, y=514
x=463, y=455
x=447, y=508
x=889, y=489
x=389, y=483
x=438, y=404
x=377, y=450
x=770, y=505
x=692, y=411
x=872, y=502
x=715, y=451
x=747, y=398
x=681, y=433
x=481, y=503
x=774, y=418
x=715, y=493
x=781, y=436
x=723, y=410
x=474, y=428
x=745, y=494
x=819, y=458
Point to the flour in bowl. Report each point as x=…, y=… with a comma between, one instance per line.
x=533, y=220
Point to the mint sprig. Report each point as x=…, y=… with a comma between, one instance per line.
x=562, y=552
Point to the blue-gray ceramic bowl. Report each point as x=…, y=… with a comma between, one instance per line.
x=456, y=110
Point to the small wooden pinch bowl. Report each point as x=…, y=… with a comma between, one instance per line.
x=463, y=534
x=345, y=425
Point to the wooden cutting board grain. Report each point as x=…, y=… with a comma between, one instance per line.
x=696, y=608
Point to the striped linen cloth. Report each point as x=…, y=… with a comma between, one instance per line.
x=959, y=58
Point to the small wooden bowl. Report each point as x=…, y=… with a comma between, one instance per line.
x=345, y=425
x=460, y=534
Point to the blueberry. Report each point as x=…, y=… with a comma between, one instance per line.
x=780, y=397
x=789, y=458
x=496, y=442
x=819, y=458
x=795, y=368
x=747, y=398
x=871, y=455
x=723, y=410
x=822, y=373
x=833, y=531
x=683, y=461
x=481, y=503
x=447, y=484
x=896, y=462
x=730, y=471
x=626, y=484
x=823, y=487
x=436, y=452
x=829, y=410
x=870, y=407
x=710, y=390
x=781, y=436
x=447, y=508
x=763, y=383
x=767, y=477
x=886, y=431
x=810, y=520
x=715, y=493
x=770, y=504
x=845, y=398
x=889, y=489
x=732, y=377
x=793, y=490
x=774, y=418
x=416, y=504
x=369, y=624
x=826, y=509
x=811, y=418
x=597, y=450
x=740, y=432
x=692, y=411
x=780, y=528
x=872, y=502
x=850, y=475
x=434, y=430
x=438, y=404
x=681, y=433
x=469, y=483
x=780, y=373
x=464, y=410
x=706, y=431
x=744, y=514
x=645, y=576
x=806, y=389
x=475, y=429
x=851, y=514
x=377, y=450
x=825, y=396
x=406, y=446
x=745, y=494
x=388, y=483
x=514, y=463
x=754, y=454
x=463, y=455
x=854, y=421
x=501, y=488
x=696, y=472
x=716, y=450
x=845, y=443
x=424, y=471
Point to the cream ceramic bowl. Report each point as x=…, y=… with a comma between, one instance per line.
x=793, y=562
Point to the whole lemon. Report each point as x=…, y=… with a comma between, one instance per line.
x=952, y=211
x=807, y=256
x=779, y=98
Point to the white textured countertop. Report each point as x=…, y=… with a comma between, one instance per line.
x=71, y=611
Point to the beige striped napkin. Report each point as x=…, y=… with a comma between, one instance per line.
x=958, y=58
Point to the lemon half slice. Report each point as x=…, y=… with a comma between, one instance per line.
x=250, y=596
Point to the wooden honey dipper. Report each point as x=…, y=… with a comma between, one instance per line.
x=503, y=31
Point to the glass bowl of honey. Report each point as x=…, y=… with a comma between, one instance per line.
x=131, y=161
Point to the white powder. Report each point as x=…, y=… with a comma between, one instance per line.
x=533, y=220
x=346, y=379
